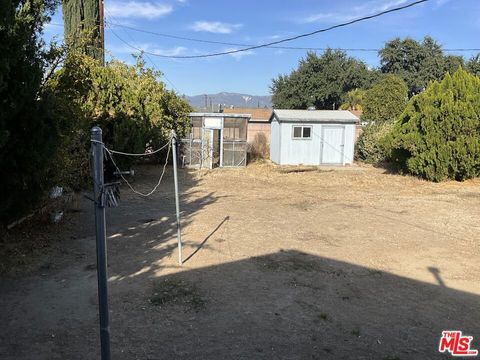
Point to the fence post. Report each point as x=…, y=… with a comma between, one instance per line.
x=100, y=232
x=177, y=201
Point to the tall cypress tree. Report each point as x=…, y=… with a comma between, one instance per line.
x=82, y=25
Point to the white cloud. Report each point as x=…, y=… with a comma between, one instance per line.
x=175, y=51
x=367, y=8
x=125, y=49
x=215, y=27
x=137, y=9
x=53, y=28
x=324, y=17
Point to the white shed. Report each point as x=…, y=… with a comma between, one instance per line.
x=312, y=137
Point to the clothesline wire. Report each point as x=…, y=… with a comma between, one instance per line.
x=110, y=153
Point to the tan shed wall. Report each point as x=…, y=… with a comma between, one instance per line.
x=358, y=132
x=258, y=136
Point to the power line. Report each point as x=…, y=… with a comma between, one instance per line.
x=146, y=55
x=175, y=36
x=270, y=44
x=227, y=43
x=461, y=49
x=271, y=47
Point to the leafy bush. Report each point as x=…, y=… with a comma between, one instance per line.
x=437, y=137
x=29, y=131
x=132, y=107
x=386, y=100
x=372, y=146
x=354, y=100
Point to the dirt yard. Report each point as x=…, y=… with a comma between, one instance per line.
x=350, y=263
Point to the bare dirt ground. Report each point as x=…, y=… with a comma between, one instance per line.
x=345, y=264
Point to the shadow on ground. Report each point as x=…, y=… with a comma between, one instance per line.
x=292, y=305
x=283, y=305
x=51, y=311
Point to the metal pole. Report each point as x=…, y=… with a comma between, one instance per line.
x=97, y=150
x=177, y=201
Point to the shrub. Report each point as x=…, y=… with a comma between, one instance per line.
x=372, y=146
x=437, y=137
x=354, y=100
x=132, y=107
x=386, y=100
x=29, y=132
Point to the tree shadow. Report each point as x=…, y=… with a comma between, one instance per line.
x=57, y=320
x=293, y=305
x=284, y=305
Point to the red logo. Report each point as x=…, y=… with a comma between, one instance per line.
x=455, y=343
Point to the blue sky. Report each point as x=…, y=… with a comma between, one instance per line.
x=453, y=23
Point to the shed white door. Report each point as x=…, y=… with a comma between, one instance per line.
x=332, y=144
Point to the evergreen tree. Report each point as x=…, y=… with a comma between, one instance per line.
x=28, y=131
x=473, y=65
x=321, y=81
x=385, y=100
x=417, y=62
x=437, y=137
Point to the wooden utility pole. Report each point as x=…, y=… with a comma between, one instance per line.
x=85, y=17
x=102, y=29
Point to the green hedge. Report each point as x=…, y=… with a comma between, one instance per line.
x=437, y=137
x=372, y=146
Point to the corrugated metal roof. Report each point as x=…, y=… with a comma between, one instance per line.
x=257, y=114
x=197, y=114
x=342, y=116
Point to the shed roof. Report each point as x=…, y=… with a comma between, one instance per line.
x=357, y=113
x=324, y=116
x=257, y=114
x=197, y=114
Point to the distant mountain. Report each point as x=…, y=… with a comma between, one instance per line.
x=228, y=100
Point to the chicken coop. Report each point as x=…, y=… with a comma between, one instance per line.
x=215, y=140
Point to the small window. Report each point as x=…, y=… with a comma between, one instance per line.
x=297, y=132
x=302, y=132
x=307, y=132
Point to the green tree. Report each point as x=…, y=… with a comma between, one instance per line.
x=385, y=100
x=417, y=62
x=28, y=131
x=372, y=146
x=473, y=65
x=354, y=100
x=133, y=107
x=321, y=81
x=437, y=137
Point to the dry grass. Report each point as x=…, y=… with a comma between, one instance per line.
x=283, y=263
